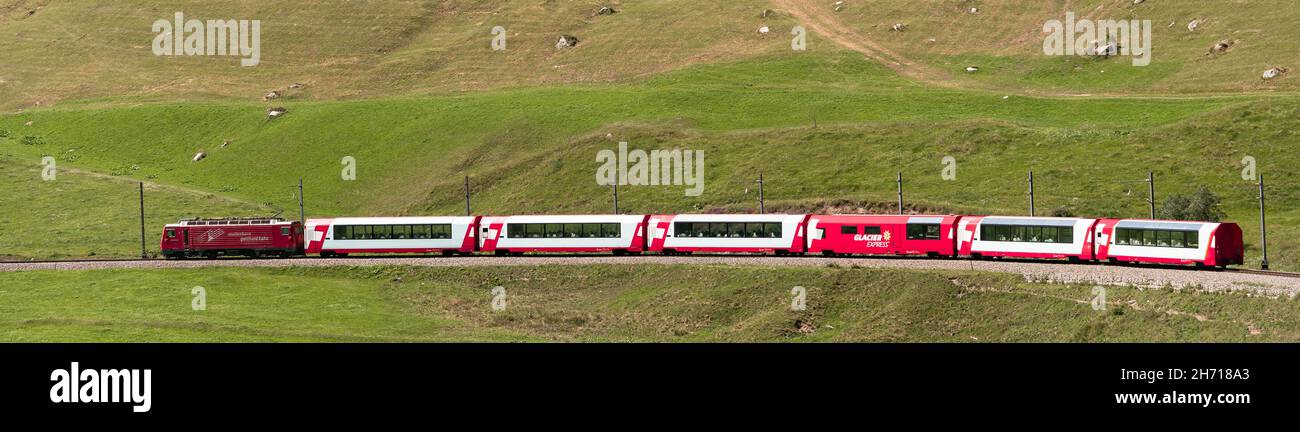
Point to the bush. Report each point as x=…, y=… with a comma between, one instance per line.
x=32, y=140
x=1062, y=212
x=1203, y=205
x=4, y=133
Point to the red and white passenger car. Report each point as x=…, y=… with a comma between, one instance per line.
x=1025, y=237
x=343, y=236
x=1169, y=242
x=617, y=234
x=727, y=233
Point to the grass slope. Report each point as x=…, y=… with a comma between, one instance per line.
x=747, y=117
x=612, y=303
x=1005, y=39
x=86, y=49
x=82, y=214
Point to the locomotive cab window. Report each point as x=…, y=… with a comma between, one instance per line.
x=171, y=233
x=284, y=230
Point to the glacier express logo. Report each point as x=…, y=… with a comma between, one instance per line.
x=213, y=234
x=874, y=240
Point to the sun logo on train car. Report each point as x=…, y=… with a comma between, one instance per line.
x=887, y=235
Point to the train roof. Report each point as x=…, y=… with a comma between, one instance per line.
x=231, y=221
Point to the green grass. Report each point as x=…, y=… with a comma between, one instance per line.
x=82, y=215
x=747, y=117
x=751, y=111
x=362, y=48
x=1005, y=40
x=612, y=303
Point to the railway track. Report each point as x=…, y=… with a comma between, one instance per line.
x=1269, y=283
x=1265, y=272
x=346, y=260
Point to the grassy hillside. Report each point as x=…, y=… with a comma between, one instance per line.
x=614, y=303
x=1004, y=39
x=85, y=49
x=81, y=214
x=747, y=117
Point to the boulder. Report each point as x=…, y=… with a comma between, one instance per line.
x=566, y=41
x=898, y=27
x=606, y=10
x=1221, y=47
x=199, y=156
x=1106, y=50
x=275, y=94
x=764, y=30
x=1191, y=26
x=276, y=112
x=1274, y=72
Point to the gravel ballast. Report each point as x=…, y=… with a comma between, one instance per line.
x=1053, y=272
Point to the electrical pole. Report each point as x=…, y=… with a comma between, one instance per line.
x=467, y=212
x=616, y=198
x=301, y=218
x=1263, y=232
x=143, y=254
x=1031, y=193
x=761, y=207
x=900, y=192
x=1151, y=191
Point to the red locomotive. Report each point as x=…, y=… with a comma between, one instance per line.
x=250, y=237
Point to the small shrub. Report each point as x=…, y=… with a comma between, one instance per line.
x=1203, y=205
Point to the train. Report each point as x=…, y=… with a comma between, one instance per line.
x=1078, y=240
